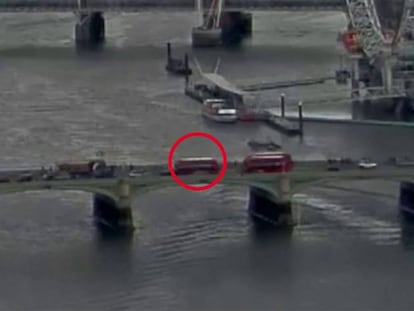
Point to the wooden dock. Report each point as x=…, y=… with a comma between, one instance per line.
x=274, y=121
x=282, y=124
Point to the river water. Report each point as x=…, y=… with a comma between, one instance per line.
x=192, y=250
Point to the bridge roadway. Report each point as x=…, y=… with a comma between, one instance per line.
x=162, y=5
x=304, y=173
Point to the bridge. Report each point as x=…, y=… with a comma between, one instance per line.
x=113, y=195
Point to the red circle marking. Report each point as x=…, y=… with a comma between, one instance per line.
x=223, y=167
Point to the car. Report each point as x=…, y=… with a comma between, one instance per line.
x=48, y=176
x=333, y=168
x=367, y=164
x=165, y=172
x=334, y=160
x=135, y=174
x=339, y=160
x=268, y=162
x=104, y=172
x=25, y=177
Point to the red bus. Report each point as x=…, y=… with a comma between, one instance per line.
x=187, y=166
x=267, y=162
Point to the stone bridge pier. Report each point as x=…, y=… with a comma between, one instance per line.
x=267, y=207
x=111, y=215
x=235, y=26
x=217, y=27
x=89, y=29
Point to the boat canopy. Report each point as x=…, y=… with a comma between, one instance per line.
x=223, y=84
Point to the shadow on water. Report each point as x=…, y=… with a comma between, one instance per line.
x=112, y=256
x=399, y=109
x=106, y=237
x=90, y=50
x=270, y=254
x=407, y=232
x=266, y=234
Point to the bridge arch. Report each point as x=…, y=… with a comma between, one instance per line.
x=140, y=190
x=270, y=185
x=264, y=202
x=109, y=212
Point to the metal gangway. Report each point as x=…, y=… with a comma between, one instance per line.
x=270, y=85
x=258, y=104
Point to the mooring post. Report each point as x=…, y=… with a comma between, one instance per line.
x=187, y=83
x=168, y=52
x=300, y=117
x=186, y=62
x=282, y=105
x=187, y=69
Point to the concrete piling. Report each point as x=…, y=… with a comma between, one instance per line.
x=300, y=112
x=282, y=105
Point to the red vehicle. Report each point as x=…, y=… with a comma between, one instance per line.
x=268, y=162
x=189, y=166
x=81, y=168
x=351, y=41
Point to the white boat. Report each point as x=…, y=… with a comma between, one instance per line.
x=218, y=110
x=367, y=164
